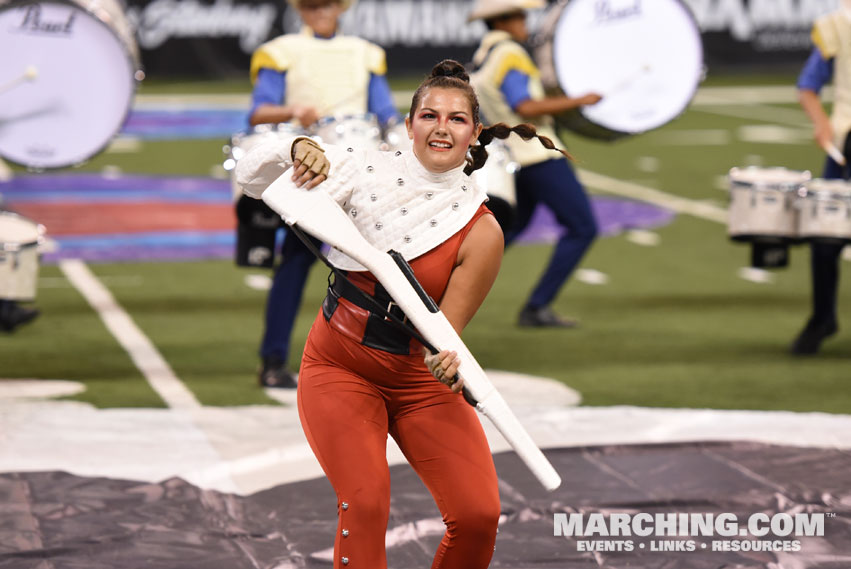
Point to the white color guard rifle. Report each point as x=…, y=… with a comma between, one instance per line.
x=316, y=213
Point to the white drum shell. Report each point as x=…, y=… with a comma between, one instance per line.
x=825, y=211
x=496, y=177
x=355, y=131
x=19, y=258
x=644, y=58
x=762, y=203
x=51, y=120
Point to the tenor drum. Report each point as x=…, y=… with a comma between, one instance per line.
x=355, y=131
x=496, y=177
x=19, y=240
x=762, y=203
x=644, y=57
x=825, y=211
x=68, y=81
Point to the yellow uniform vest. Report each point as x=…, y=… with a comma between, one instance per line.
x=497, y=55
x=331, y=75
x=832, y=36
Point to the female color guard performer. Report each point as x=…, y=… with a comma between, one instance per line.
x=361, y=378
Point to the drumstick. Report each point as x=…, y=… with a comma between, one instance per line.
x=834, y=153
x=629, y=80
x=30, y=74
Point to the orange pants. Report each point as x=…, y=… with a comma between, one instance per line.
x=349, y=398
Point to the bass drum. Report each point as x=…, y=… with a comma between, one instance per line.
x=644, y=57
x=68, y=87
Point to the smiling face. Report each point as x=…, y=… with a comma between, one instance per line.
x=442, y=129
x=321, y=16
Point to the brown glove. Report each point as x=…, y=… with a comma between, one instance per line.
x=309, y=161
x=444, y=367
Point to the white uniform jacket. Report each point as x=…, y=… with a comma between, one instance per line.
x=390, y=197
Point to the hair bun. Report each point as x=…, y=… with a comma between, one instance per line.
x=450, y=68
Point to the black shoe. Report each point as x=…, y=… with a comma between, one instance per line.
x=810, y=339
x=544, y=317
x=274, y=373
x=13, y=315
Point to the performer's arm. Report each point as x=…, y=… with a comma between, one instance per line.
x=380, y=100
x=515, y=89
x=477, y=265
x=817, y=72
x=475, y=272
x=267, y=161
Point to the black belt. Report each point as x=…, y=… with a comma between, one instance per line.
x=381, y=331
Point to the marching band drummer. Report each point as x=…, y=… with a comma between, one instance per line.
x=304, y=77
x=508, y=84
x=830, y=59
x=362, y=378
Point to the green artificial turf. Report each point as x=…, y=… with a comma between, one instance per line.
x=674, y=327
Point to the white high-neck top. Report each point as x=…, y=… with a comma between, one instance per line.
x=393, y=200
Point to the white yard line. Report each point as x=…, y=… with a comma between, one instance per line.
x=756, y=112
x=141, y=350
x=651, y=195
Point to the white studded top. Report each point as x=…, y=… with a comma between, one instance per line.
x=393, y=200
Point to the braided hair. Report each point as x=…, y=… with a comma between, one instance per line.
x=449, y=74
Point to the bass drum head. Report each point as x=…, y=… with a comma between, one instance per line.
x=645, y=57
x=68, y=88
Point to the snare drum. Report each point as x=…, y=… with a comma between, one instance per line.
x=762, y=203
x=825, y=211
x=67, y=81
x=644, y=57
x=354, y=131
x=496, y=177
x=19, y=240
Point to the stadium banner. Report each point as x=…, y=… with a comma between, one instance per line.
x=215, y=38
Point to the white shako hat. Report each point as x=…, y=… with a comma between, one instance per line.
x=486, y=9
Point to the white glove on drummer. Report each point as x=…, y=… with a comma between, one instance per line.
x=310, y=166
x=444, y=367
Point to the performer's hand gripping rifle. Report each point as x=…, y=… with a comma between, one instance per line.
x=314, y=212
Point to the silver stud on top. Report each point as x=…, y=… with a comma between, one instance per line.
x=354, y=212
x=378, y=225
x=433, y=223
x=407, y=238
x=345, y=533
x=429, y=195
x=350, y=149
x=370, y=169
x=400, y=182
x=455, y=206
x=344, y=560
x=372, y=197
x=345, y=505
